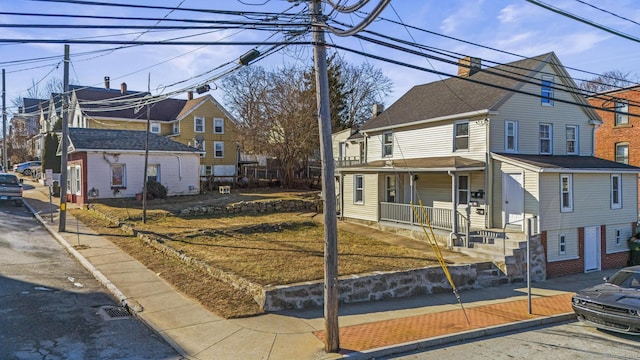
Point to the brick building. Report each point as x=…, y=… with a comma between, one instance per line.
x=618, y=138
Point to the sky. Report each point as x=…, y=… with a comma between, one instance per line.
x=496, y=31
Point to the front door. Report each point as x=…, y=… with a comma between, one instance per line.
x=591, y=248
x=512, y=199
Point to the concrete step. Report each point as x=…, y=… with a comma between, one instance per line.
x=501, y=246
x=487, y=254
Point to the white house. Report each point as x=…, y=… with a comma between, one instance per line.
x=110, y=163
x=486, y=151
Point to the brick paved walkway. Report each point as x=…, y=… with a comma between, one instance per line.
x=398, y=331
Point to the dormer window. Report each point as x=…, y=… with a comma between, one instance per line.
x=546, y=93
x=622, y=112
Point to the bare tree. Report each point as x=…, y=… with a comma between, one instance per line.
x=39, y=91
x=276, y=113
x=612, y=79
x=366, y=85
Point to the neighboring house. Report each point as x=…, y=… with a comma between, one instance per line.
x=110, y=163
x=204, y=124
x=489, y=152
x=25, y=128
x=618, y=138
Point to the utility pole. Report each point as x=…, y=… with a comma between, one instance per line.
x=146, y=158
x=4, y=124
x=332, y=338
x=65, y=143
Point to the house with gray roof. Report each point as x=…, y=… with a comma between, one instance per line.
x=492, y=155
x=105, y=163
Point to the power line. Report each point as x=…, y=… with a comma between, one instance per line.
x=608, y=12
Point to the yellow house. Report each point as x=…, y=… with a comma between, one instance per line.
x=204, y=124
x=201, y=123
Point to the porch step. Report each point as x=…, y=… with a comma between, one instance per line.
x=500, y=245
x=490, y=275
x=489, y=253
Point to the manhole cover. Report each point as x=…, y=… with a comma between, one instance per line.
x=113, y=313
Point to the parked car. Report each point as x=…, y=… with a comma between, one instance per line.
x=27, y=168
x=10, y=188
x=613, y=305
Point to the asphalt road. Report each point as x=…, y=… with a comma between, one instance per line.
x=52, y=308
x=572, y=340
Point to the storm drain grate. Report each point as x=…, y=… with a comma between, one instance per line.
x=114, y=312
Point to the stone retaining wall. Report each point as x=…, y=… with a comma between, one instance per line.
x=269, y=206
x=352, y=288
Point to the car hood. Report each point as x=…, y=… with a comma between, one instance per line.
x=611, y=295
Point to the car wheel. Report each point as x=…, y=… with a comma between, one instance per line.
x=26, y=172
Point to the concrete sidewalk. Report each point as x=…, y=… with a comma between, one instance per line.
x=366, y=329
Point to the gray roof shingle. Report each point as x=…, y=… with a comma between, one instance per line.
x=569, y=162
x=456, y=96
x=82, y=139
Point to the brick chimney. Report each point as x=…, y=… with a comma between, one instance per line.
x=189, y=95
x=377, y=109
x=468, y=66
x=123, y=88
x=106, y=82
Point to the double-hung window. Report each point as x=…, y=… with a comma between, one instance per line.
x=218, y=126
x=198, y=124
x=218, y=149
x=546, y=93
x=387, y=144
x=463, y=189
x=358, y=189
x=616, y=191
x=566, y=193
x=622, y=112
x=562, y=244
x=622, y=153
x=390, y=195
x=153, y=172
x=546, y=133
x=461, y=136
x=154, y=127
x=511, y=136
x=572, y=140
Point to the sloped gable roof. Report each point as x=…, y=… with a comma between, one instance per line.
x=90, y=98
x=458, y=95
x=82, y=139
x=192, y=104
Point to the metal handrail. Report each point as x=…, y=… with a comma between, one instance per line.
x=504, y=232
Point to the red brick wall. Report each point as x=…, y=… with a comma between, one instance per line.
x=607, y=135
x=576, y=266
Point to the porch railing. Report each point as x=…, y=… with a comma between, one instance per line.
x=349, y=161
x=440, y=218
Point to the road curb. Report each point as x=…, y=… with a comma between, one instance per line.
x=95, y=272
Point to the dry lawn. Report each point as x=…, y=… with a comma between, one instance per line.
x=269, y=249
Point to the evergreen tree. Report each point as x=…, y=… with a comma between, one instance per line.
x=49, y=158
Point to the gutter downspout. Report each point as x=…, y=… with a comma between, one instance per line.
x=179, y=167
x=454, y=205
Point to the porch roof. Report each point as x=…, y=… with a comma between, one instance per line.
x=565, y=163
x=428, y=164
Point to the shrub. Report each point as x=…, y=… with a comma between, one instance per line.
x=155, y=190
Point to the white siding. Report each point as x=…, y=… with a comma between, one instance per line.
x=529, y=113
x=430, y=140
x=434, y=190
x=179, y=173
x=531, y=191
x=591, y=201
x=553, y=244
x=625, y=234
x=368, y=210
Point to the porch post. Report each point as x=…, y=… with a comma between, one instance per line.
x=454, y=207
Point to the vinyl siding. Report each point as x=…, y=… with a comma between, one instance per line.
x=368, y=210
x=177, y=174
x=591, y=201
x=434, y=189
x=531, y=185
x=430, y=140
x=625, y=234
x=209, y=111
x=111, y=124
x=529, y=113
x=553, y=244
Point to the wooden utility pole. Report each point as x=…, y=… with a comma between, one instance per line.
x=65, y=144
x=332, y=338
x=4, y=125
x=146, y=157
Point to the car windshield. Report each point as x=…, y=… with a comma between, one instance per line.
x=8, y=179
x=626, y=278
